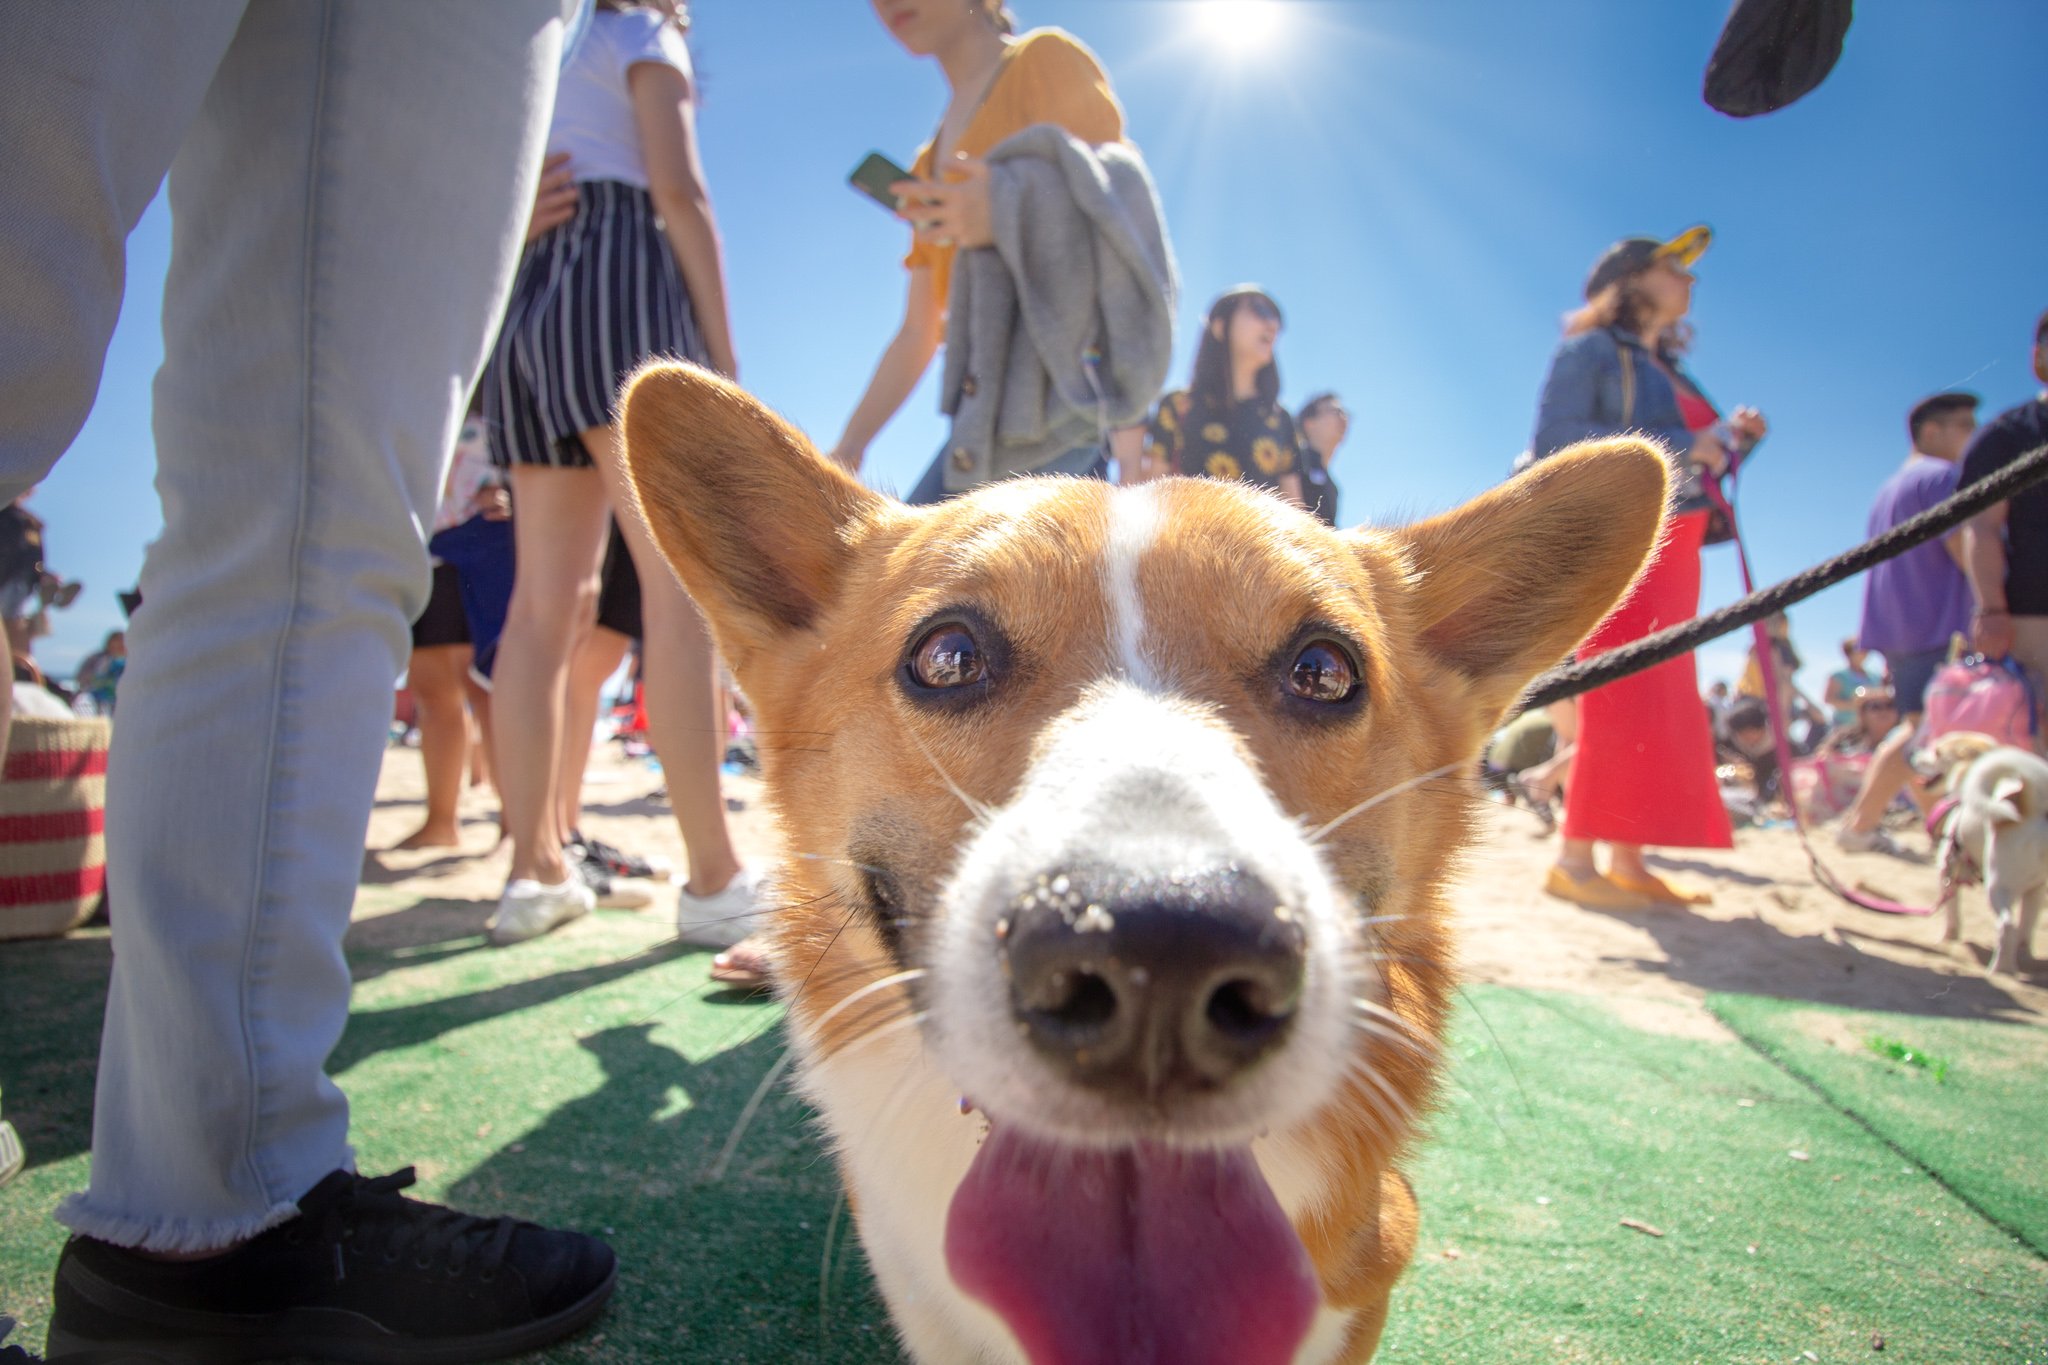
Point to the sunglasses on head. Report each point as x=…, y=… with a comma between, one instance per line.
x=1261, y=308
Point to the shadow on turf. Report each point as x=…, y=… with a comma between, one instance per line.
x=375, y=1031
x=731, y=1269
x=425, y=932
x=53, y=995
x=1715, y=955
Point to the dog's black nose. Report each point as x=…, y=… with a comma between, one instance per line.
x=1152, y=987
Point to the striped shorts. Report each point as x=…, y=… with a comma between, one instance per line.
x=593, y=299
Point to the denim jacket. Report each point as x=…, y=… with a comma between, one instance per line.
x=1584, y=399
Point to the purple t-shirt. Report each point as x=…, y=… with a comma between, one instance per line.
x=1913, y=602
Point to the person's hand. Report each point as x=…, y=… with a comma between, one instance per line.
x=1749, y=426
x=554, y=203
x=949, y=212
x=492, y=502
x=847, y=458
x=1991, y=633
x=1709, y=454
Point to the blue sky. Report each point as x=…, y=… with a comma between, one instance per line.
x=1423, y=185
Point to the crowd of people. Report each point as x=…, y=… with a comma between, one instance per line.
x=1982, y=588
x=622, y=263
x=564, y=176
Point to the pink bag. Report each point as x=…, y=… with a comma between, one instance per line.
x=1989, y=698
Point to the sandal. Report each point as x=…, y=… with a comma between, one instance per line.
x=746, y=965
x=1661, y=891
x=1593, y=891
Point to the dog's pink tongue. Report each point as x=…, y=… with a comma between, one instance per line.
x=1145, y=1257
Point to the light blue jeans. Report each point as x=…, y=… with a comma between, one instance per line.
x=349, y=183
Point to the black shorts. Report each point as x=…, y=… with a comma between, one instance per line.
x=618, y=597
x=593, y=299
x=443, y=622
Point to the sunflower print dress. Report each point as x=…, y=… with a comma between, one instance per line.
x=1254, y=440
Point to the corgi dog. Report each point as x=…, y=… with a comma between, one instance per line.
x=1992, y=827
x=1115, y=944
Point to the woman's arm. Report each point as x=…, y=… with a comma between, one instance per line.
x=1127, y=448
x=902, y=364
x=666, y=117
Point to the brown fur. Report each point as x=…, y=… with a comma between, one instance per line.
x=812, y=584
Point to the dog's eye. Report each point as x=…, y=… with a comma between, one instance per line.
x=948, y=657
x=1323, y=672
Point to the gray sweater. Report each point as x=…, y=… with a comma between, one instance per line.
x=1063, y=328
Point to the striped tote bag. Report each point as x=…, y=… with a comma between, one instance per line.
x=53, y=848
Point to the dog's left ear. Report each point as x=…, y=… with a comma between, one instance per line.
x=1511, y=581
x=757, y=525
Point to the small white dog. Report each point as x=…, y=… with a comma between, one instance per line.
x=1993, y=826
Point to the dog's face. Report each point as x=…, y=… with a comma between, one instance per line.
x=1943, y=761
x=1136, y=804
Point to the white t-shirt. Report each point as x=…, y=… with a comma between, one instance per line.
x=593, y=107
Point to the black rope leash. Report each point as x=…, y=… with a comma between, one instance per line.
x=1572, y=679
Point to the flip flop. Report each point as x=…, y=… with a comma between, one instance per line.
x=744, y=966
x=1657, y=889
x=1595, y=891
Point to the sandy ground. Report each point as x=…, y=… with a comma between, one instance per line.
x=1771, y=930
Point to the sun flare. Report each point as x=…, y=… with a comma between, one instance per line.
x=1241, y=27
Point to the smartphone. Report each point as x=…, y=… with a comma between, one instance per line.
x=874, y=176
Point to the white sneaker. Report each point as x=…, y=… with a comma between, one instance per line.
x=625, y=893
x=529, y=909
x=722, y=918
x=1869, y=841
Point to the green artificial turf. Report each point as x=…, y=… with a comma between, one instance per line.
x=1976, y=1115
x=589, y=1079
x=1562, y=1120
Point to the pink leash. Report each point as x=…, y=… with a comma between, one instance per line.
x=1767, y=664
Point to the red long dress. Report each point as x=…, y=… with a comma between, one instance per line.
x=1644, y=770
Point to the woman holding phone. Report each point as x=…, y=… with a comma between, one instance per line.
x=1001, y=84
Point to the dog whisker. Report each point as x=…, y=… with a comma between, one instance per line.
x=912, y=974
x=977, y=809
x=905, y=1076
x=839, y=862
x=753, y=1105
x=1371, y=1076
x=1318, y=835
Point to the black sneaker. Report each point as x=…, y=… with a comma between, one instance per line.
x=362, y=1275
x=613, y=892
x=618, y=862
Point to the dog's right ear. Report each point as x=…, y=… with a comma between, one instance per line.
x=757, y=525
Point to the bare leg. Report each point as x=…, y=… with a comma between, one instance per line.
x=683, y=705
x=597, y=658
x=1626, y=860
x=560, y=530
x=479, y=733
x=1887, y=776
x=436, y=676
x=1576, y=857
